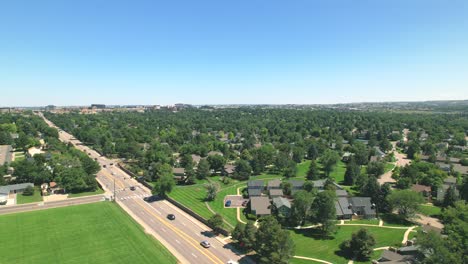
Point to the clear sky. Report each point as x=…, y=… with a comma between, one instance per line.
x=244, y=51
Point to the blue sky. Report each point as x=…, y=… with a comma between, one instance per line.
x=215, y=52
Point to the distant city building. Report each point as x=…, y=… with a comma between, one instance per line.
x=98, y=106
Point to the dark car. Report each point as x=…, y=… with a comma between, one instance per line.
x=150, y=199
x=244, y=203
x=132, y=188
x=205, y=244
x=171, y=217
x=112, y=164
x=104, y=166
x=228, y=203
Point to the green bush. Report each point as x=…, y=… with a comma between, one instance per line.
x=29, y=191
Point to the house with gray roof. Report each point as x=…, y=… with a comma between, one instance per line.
x=346, y=207
x=260, y=206
x=275, y=193
x=296, y=186
x=255, y=187
x=282, y=205
x=14, y=188
x=394, y=257
x=274, y=184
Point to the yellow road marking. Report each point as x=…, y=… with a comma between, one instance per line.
x=187, y=238
x=106, y=174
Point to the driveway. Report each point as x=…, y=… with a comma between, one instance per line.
x=236, y=201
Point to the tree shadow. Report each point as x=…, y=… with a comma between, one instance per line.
x=395, y=219
x=209, y=234
x=314, y=233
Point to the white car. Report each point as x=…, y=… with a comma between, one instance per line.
x=232, y=262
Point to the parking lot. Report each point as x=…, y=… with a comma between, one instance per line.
x=236, y=201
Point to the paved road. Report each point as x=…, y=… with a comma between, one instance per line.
x=181, y=236
x=53, y=204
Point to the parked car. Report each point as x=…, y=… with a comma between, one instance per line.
x=205, y=244
x=132, y=188
x=171, y=217
x=104, y=166
x=244, y=203
x=228, y=203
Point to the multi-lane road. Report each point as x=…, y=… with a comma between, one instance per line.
x=181, y=236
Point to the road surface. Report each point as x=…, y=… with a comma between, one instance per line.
x=181, y=236
x=47, y=205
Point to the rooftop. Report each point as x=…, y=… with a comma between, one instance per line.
x=261, y=205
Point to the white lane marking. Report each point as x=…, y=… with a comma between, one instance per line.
x=184, y=224
x=197, y=234
x=213, y=246
x=164, y=230
x=194, y=255
x=178, y=242
x=151, y=220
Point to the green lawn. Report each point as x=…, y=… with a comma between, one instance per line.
x=36, y=197
x=92, y=233
x=430, y=210
x=302, y=168
x=338, y=172
x=310, y=244
x=98, y=191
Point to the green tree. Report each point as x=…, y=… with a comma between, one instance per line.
x=361, y=154
x=290, y=170
x=216, y=222
x=28, y=191
x=375, y=168
x=287, y=187
x=450, y=197
x=329, y=160
x=300, y=209
x=324, y=212
x=164, y=185
x=352, y=172
x=239, y=232
x=273, y=245
x=211, y=191
x=216, y=162
x=312, y=152
x=406, y=202
x=250, y=233
x=313, y=173
x=242, y=170
x=203, y=169
x=360, y=246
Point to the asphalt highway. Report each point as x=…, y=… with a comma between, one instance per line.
x=181, y=236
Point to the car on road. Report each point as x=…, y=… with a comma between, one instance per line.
x=205, y=244
x=112, y=164
x=104, y=166
x=228, y=203
x=132, y=188
x=149, y=199
x=171, y=216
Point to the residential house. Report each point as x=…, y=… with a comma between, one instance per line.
x=443, y=166
x=179, y=174
x=274, y=184
x=255, y=188
x=346, y=207
x=5, y=154
x=448, y=182
x=341, y=193
x=273, y=193
x=422, y=189
x=6, y=190
x=282, y=205
x=229, y=169
x=379, y=153
x=463, y=170
x=389, y=256
x=211, y=153
x=296, y=186
x=347, y=156
x=34, y=151
x=260, y=206
x=196, y=159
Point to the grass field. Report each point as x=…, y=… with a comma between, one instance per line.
x=98, y=191
x=92, y=233
x=430, y=210
x=36, y=197
x=310, y=244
